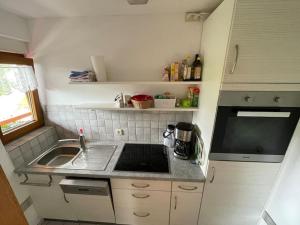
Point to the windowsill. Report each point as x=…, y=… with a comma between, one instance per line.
x=26, y=138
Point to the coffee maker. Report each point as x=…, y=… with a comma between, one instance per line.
x=183, y=140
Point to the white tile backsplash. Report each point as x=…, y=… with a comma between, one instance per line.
x=28, y=147
x=102, y=124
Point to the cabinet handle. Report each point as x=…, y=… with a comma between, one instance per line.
x=143, y=196
x=145, y=215
x=140, y=185
x=175, y=204
x=187, y=188
x=65, y=198
x=236, y=47
x=213, y=175
x=25, y=182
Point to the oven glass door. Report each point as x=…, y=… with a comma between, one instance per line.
x=253, y=131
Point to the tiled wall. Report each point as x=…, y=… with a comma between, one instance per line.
x=28, y=147
x=102, y=124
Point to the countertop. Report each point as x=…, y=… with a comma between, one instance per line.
x=180, y=170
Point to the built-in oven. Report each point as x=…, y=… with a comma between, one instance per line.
x=254, y=126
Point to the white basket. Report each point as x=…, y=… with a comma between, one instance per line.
x=164, y=103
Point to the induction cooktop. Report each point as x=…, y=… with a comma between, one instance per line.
x=143, y=158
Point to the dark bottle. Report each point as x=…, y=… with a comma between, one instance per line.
x=197, y=68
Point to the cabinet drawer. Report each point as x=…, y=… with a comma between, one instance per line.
x=145, y=199
x=141, y=184
x=142, y=216
x=187, y=186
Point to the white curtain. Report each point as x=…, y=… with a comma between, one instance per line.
x=21, y=77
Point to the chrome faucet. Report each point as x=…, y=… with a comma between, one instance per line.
x=82, y=140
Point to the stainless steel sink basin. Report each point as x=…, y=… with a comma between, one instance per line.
x=71, y=156
x=59, y=156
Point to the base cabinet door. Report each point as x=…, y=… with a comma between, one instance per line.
x=185, y=208
x=49, y=202
x=235, y=192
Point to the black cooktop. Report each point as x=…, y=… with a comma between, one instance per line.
x=143, y=158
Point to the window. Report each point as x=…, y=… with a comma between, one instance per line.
x=20, y=110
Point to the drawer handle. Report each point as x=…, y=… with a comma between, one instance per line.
x=188, y=188
x=140, y=185
x=140, y=196
x=144, y=215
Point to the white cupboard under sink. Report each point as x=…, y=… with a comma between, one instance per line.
x=49, y=201
x=82, y=204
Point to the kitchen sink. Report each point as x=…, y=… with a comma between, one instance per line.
x=71, y=156
x=59, y=156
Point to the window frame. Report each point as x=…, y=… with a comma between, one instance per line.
x=32, y=96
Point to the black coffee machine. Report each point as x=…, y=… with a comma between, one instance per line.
x=183, y=140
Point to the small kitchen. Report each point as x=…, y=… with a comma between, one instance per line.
x=149, y=112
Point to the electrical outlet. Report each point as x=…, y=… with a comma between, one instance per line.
x=120, y=132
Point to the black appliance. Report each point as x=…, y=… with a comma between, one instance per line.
x=143, y=158
x=183, y=140
x=254, y=126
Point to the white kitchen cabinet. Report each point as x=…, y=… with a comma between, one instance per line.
x=185, y=203
x=141, y=202
x=49, y=201
x=235, y=192
x=267, y=34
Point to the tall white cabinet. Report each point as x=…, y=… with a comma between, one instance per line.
x=264, y=42
x=244, y=42
x=235, y=192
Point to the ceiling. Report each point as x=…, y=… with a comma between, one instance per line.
x=74, y=8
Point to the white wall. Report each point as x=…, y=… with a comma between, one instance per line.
x=13, y=26
x=284, y=203
x=19, y=190
x=11, y=45
x=14, y=33
x=135, y=48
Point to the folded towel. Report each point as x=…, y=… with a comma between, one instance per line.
x=85, y=76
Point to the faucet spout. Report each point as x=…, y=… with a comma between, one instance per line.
x=82, y=140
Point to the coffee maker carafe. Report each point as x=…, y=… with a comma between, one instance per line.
x=183, y=140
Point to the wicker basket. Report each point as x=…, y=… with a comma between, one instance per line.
x=142, y=104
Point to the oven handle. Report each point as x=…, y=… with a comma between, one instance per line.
x=263, y=114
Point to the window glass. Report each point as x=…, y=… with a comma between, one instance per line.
x=15, y=104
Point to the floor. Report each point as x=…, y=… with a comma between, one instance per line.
x=51, y=222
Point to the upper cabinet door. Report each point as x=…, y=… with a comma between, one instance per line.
x=264, y=46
